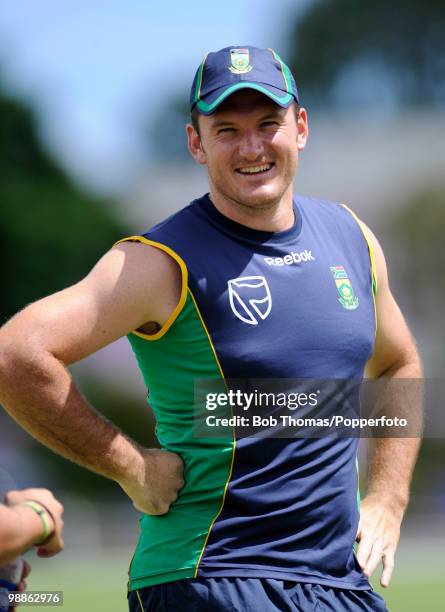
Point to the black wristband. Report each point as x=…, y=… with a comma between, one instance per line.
x=45, y=508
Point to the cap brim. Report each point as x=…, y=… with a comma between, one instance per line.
x=210, y=102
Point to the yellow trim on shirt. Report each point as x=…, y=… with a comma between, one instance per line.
x=371, y=258
x=184, y=275
x=234, y=442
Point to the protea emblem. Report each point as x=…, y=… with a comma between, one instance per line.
x=239, y=59
x=347, y=298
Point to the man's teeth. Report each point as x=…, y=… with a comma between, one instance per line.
x=255, y=169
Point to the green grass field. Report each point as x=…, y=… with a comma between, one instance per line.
x=89, y=585
x=98, y=584
x=414, y=595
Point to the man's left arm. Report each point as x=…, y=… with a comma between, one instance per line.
x=391, y=460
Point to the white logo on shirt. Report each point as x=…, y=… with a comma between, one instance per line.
x=290, y=258
x=250, y=298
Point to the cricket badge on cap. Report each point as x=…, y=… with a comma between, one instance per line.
x=347, y=297
x=240, y=61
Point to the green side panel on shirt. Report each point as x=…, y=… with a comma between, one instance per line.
x=170, y=546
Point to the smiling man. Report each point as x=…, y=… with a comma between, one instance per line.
x=248, y=281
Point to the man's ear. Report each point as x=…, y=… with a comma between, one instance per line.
x=195, y=145
x=303, y=129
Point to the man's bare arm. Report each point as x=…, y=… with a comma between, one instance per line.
x=391, y=460
x=131, y=285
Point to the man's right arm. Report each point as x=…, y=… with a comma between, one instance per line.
x=131, y=285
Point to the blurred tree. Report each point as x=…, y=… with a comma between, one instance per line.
x=418, y=228
x=346, y=54
x=415, y=230
x=370, y=51
x=51, y=233
x=167, y=132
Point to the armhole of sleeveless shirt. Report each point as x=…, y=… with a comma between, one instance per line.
x=370, y=248
x=371, y=259
x=184, y=283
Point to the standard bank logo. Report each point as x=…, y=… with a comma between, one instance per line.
x=250, y=298
x=290, y=258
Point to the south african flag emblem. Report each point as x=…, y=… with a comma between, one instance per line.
x=347, y=298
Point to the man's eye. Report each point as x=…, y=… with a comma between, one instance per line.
x=269, y=124
x=226, y=129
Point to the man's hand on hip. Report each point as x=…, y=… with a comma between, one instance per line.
x=378, y=535
x=156, y=484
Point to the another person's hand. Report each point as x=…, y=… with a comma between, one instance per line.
x=25, y=573
x=22, y=584
x=156, y=482
x=378, y=535
x=53, y=544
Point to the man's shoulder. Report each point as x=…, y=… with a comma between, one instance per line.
x=320, y=207
x=334, y=214
x=179, y=234
x=320, y=203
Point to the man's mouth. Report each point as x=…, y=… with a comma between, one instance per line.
x=262, y=169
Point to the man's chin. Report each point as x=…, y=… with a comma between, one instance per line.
x=260, y=200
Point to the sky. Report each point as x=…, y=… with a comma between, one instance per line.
x=94, y=69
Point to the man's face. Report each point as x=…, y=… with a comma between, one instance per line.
x=250, y=146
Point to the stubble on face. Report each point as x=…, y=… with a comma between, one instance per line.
x=248, y=131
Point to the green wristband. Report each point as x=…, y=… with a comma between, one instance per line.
x=42, y=512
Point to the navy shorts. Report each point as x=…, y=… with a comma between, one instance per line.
x=251, y=595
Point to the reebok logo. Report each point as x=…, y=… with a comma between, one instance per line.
x=290, y=258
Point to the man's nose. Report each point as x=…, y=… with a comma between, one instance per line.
x=251, y=145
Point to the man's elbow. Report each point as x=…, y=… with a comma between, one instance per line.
x=10, y=357
x=403, y=364
x=409, y=363
x=21, y=361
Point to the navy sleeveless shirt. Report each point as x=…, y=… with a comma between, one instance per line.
x=292, y=304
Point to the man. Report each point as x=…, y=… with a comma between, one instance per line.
x=242, y=283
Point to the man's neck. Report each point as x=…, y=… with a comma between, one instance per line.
x=276, y=218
